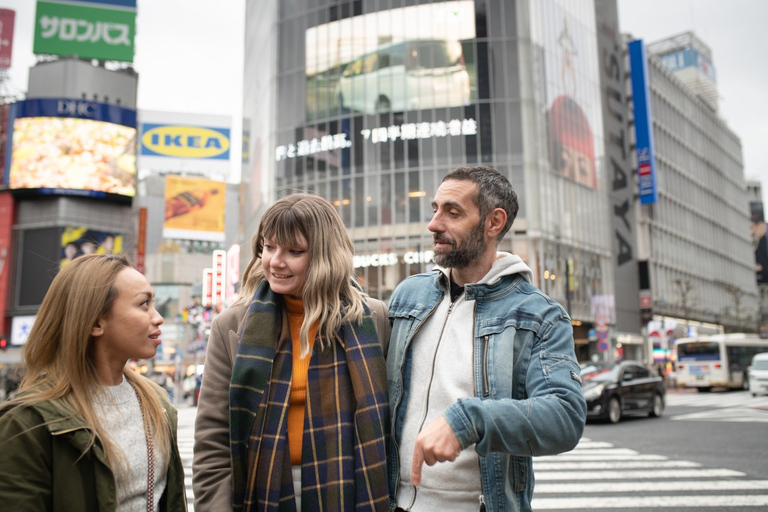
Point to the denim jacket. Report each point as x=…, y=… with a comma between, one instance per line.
x=528, y=399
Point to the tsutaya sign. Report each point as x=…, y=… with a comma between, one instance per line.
x=388, y=259
x=407, y=131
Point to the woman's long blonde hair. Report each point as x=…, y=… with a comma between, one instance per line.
x=329, y=295
x=58, y=356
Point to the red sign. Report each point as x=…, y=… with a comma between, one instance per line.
x=7, y=218
x=7, y=17
x=141, y=243
x=219, y=273
x=207, y=287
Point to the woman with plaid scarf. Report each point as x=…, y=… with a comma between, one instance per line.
x=293, y=407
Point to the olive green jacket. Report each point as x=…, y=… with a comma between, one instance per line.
x=46, y=467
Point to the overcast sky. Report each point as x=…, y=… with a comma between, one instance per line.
x=189, y=56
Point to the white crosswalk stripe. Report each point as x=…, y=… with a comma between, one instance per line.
x=739, y=406
x=725, y=399
x=597, y=476
x=186, y=442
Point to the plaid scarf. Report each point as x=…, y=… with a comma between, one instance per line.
x=346, y=417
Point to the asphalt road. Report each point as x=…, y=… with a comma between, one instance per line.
x=707, y=452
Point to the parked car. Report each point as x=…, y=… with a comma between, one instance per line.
x=627, y=387
x=408, y=75
x=758, y=374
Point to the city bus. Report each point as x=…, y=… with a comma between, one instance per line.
x=716, y=360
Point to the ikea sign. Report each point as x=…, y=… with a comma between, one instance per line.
x=177, y=141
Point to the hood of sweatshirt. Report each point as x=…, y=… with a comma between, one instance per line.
x=506, y=264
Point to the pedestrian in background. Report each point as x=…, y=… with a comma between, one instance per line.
x=85, y=433
x=293, y=407
x=481, y=363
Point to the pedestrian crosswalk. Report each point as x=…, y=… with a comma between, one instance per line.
x=597, y=475
x=717, y=400
x=738, y=406
x=186, y=441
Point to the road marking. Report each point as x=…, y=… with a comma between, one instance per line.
x=634, y=475
x=637, y=502
x=629, y=464
x=645, y=486
x=571, y=456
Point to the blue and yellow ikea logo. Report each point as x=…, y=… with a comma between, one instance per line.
x=177, y=141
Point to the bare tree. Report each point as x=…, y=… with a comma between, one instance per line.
x=686, y=298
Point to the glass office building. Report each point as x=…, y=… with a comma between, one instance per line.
x=371, y=103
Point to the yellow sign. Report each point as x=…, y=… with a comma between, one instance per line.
x=194, y=208
x=185, y=141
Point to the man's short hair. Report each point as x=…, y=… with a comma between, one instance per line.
x=493, y=191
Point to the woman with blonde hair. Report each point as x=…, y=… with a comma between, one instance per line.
x=293, y=407
x=86, y=433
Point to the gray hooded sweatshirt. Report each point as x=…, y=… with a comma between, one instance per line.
x=442, y=372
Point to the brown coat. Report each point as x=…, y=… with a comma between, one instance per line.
x=211, y=469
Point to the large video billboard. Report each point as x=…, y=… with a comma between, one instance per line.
x=401, y=59
x=72, y=147
x=103, y=29
x=194, y=208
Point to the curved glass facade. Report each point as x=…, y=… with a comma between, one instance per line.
x=371, y=103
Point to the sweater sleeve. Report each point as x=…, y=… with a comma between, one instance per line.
x=212, y=468
x=26, y=447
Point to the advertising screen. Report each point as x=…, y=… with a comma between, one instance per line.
x=194, y=208
x=72, y=147
x=566, y=32
x=407, y=58
x=77, y=241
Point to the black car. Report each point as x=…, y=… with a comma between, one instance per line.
x=615, y=389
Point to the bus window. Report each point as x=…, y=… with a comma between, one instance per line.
x=701, y=351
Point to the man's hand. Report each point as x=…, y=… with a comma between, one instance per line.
x=435, y=443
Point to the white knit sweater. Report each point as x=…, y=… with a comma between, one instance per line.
x=120, y=415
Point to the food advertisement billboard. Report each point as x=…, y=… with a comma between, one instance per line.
x=72, y=147
x=194, y=208
x=401, y=59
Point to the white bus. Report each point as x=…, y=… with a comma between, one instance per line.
x=716, y=360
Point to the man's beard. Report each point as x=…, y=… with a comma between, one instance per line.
x=461, y=257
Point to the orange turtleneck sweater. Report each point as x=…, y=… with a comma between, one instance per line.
x=295, y=310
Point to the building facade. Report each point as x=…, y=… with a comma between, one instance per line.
x=371, y=103
x=696, y=249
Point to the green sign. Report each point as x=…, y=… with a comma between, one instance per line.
x=88, y=32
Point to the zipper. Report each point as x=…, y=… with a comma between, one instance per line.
x=482, y=503
x=400, y=398
x=486, y=384
x=429, y=387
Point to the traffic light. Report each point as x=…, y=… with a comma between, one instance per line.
x=3, y=343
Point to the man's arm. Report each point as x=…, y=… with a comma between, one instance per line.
x=549, y=421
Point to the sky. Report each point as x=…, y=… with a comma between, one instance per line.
x=189, y=56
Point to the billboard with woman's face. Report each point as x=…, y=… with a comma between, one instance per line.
x=566, y=32
x=396, y=60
